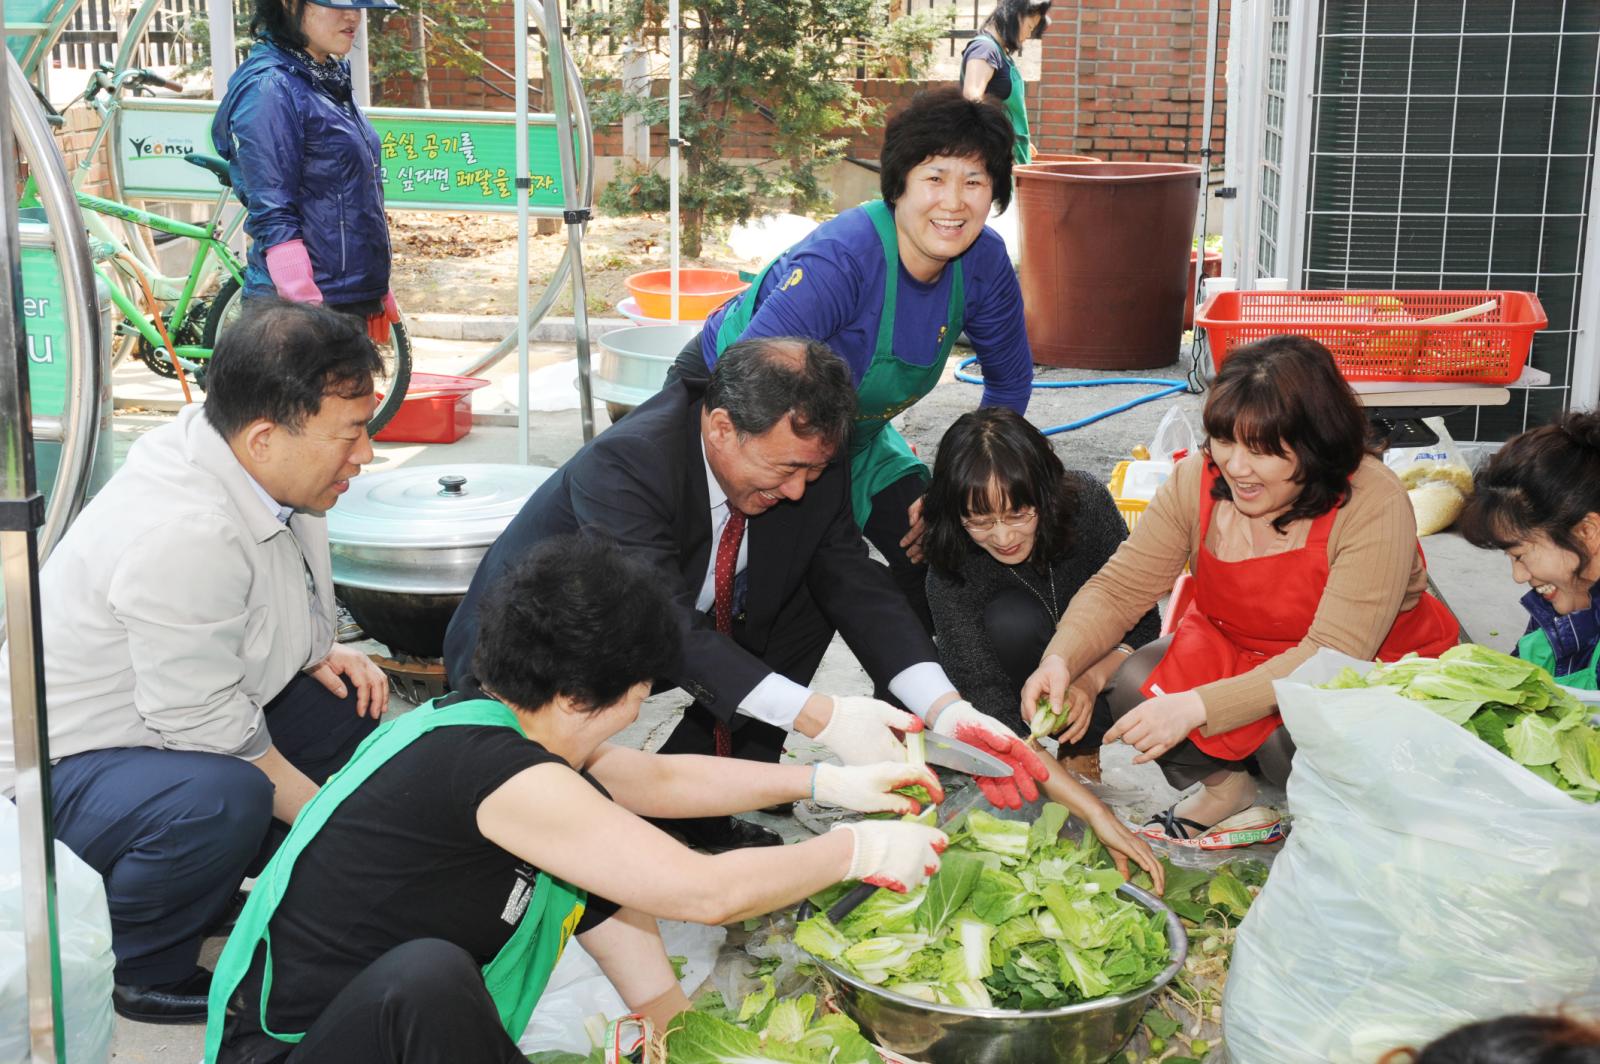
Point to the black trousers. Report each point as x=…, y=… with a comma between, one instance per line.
x=1186, y=764
x=172, y=832
x=1019, y=628
x=886, y=525
x=800, y=636
x=423, y=1002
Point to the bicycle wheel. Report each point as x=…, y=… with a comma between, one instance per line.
x=391, y=384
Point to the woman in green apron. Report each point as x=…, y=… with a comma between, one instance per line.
x=889, y=286
x=989, y=69
x=1539, y=501
x=423, y=896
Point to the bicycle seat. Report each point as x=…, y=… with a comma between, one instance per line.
x=215, y=166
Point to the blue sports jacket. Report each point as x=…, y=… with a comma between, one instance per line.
x=306, y=166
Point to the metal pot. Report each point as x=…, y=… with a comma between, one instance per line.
x=406, y=543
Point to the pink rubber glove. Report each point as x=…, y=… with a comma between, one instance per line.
x=378, y=324
x=289, y=265
x=959, y=720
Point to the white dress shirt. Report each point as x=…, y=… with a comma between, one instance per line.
x=778, y=700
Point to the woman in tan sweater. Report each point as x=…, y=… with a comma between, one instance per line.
x=1299, y=538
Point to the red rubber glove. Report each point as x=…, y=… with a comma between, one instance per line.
x=289, y=266
x=960, y=721
x=378, y=324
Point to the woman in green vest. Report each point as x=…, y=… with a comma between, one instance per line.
x=989, y=70
x=1539, y=501
x=423, y=896
x=889, y=286
x=988, y=66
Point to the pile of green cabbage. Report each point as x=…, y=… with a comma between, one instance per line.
x=1513, y=705
x=1016, y=918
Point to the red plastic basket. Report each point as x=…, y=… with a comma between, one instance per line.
x=1387, y=335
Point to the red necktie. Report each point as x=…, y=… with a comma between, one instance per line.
x=722, y=604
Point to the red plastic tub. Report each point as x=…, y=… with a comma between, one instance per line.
x=437, y=409
x=1388, y=335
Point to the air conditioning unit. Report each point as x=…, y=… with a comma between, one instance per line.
x=1425, y=144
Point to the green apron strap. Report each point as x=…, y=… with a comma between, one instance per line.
x=737, y=319
x=879, y=456
x=553, y=910
x=1534, y=647
x=1016, y=108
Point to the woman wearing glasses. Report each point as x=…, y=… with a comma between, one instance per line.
x=1010, y=537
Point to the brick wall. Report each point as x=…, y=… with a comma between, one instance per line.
x=450, y=89
x=1125, y=80
x=73, y=140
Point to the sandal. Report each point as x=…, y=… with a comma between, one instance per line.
x=1257, y=825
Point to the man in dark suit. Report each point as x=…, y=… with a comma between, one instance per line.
x=675, y=484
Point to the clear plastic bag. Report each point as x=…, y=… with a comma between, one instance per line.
x=1174, y=437
x=1437, y=478
x=578, y=992
x=84, y=929
x=1429, y=881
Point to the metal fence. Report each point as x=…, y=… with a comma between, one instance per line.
x=92, y=35
x=966, y=16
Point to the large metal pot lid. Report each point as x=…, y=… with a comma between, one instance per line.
x=458, y=505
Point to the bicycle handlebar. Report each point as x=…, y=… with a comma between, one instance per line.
x=105, y=79
x=151, y=78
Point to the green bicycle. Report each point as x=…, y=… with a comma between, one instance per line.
x=187, y=313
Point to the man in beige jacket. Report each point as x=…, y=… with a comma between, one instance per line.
x=195, y=691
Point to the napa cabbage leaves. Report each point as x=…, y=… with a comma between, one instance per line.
x=1513, y=705
x=1017, y=917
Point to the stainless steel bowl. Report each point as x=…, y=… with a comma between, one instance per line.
x=1089, y=1032
x=633, y=362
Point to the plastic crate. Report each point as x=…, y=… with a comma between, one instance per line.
x=1130, y=509
x=1386, y=335
x=437, y=409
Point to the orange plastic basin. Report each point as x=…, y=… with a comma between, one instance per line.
x=699, y=292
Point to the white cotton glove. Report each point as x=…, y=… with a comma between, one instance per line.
x=894, y=854
x=870, y=788
x=959, y=720
x=862, y=730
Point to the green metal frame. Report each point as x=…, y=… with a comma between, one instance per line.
x=210, y=244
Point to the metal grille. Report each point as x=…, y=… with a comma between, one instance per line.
x=1452, y=148
x=1271, y=197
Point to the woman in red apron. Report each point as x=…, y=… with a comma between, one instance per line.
x=1298, y=539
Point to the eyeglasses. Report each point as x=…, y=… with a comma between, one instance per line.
x=1015, y=519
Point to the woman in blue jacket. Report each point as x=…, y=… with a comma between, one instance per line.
x=306, y=163
x=1539, y=501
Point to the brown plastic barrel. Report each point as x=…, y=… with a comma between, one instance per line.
x=1104, y=257
x=1056, y=157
